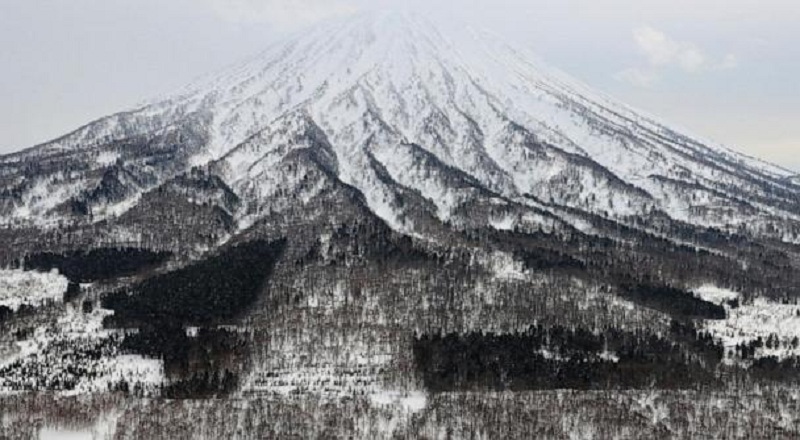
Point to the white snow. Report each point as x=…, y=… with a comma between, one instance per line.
x=116, y=209
x=714, y=294
x=137, y=369
x=506, y=223
x=409, y=401
x=504, y=266
x=64, y=434
x=760, y=318
x=53, y=349
x=106, y=158
x=18, y=287
x=104, y=427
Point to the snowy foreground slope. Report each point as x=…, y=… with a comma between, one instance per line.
x=380, y=228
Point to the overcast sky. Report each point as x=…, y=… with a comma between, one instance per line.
x=726, y=70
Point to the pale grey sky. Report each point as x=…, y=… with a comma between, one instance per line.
x=724, y=69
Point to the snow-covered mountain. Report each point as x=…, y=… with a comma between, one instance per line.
x=380, y=219
x=389, y=105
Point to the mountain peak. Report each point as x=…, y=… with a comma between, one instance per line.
x=457, y=117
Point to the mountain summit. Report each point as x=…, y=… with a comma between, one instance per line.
x=391, y=106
